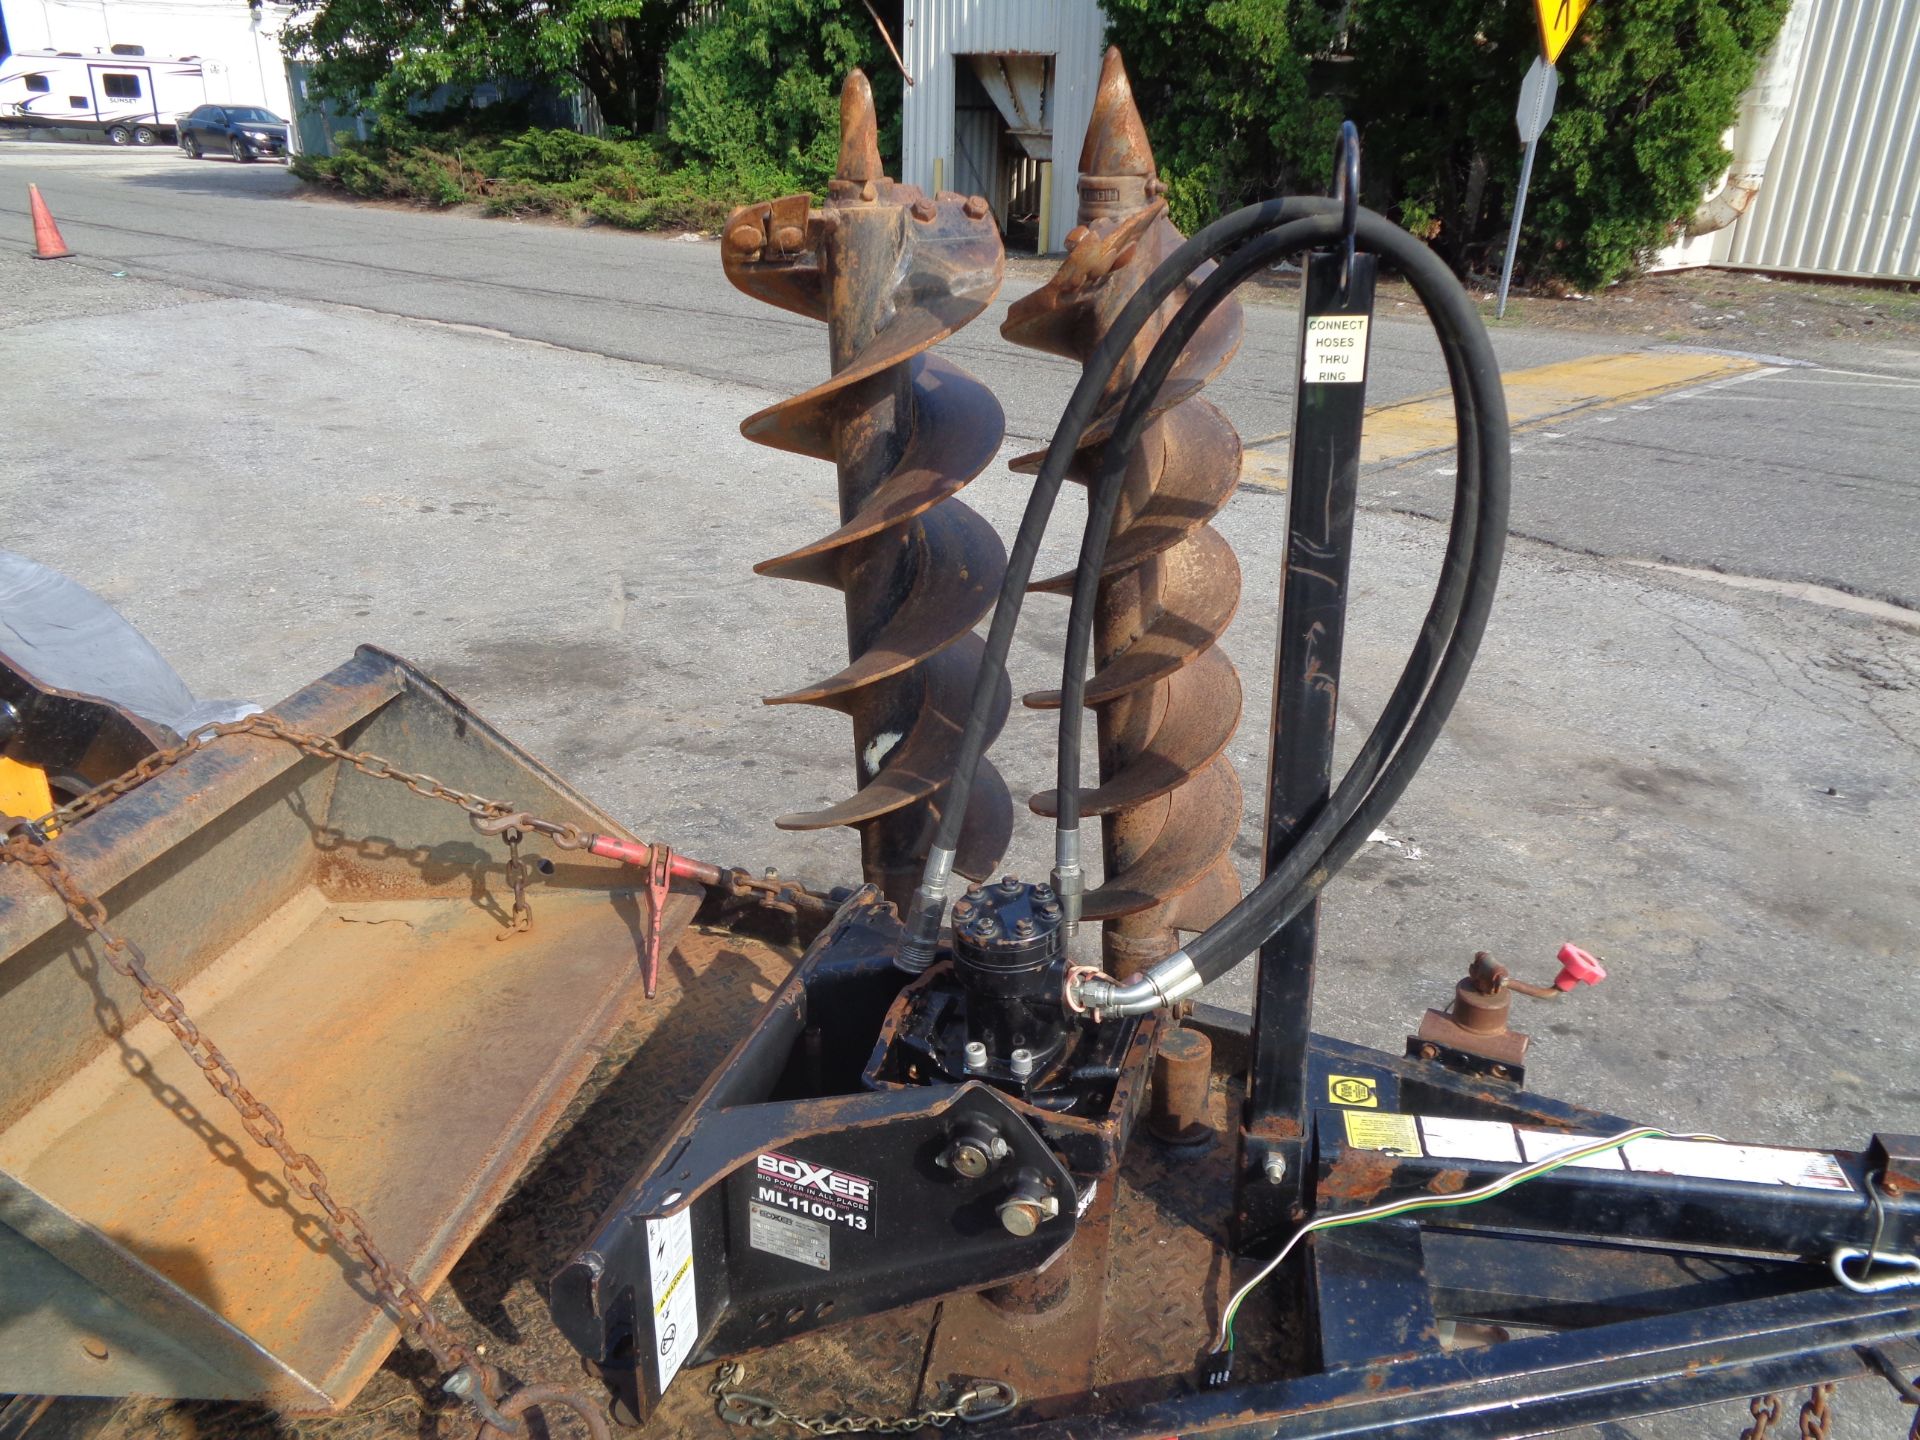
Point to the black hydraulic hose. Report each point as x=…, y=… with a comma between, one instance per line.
x=1481, y=485
x=923, y=921
x=1452, y=628
x=1104, y=487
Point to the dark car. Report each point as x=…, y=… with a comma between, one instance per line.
x=245, y=132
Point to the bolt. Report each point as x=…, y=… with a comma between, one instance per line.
x=1010, y=883
x=1000, y=1149
x=1501, y=1072
x=976, y=206
x=925, y=211
x=1022, y=1214
x=962, y=907
x=1429, y=1052
x=1021, y=1063
x=1043, y=893
x=976, y=1053
x=1276, y=1168
x=1023, y=926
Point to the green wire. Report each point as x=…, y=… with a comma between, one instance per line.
x=1415, y=1203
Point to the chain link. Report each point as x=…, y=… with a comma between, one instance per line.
x=1816, y=1421
x=522, y=915
x=1765, y=1410
x=983, y=1400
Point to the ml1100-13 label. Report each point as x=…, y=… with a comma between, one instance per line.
x=802, y=1187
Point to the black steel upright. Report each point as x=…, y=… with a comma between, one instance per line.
x=1330, y=403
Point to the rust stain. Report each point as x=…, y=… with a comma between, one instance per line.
x=1359, y=1175
x=1448, y=1182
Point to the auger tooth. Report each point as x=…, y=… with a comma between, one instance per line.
x=1165, y=699
x=892, y=272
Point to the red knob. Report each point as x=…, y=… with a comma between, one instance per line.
x=1578, y=967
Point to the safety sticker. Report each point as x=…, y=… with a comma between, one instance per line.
x=676, y=1323
x=1372, y=1130
x=1470, y=1140
x=1353, y=1090
x=808, y=1241
x=1500, y=1143
x=800, y=1187
x=1335, y=351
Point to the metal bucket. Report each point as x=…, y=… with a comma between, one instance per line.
x=341, y=938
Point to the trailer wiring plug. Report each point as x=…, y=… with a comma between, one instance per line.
x=1216, y=1369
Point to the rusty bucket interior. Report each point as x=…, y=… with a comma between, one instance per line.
x=340, y=938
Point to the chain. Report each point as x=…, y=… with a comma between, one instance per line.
x=517, y=872
x=1765, y=1410
x=982, y=1400
x=302, y=1172
x=27, y=844
x=1814, y=1419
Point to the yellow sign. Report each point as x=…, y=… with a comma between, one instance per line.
x=1395, y=1134
x=1352, y=1090
x=1558, y=20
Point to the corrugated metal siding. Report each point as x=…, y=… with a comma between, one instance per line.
x=1843, y=183
x=1072, y=31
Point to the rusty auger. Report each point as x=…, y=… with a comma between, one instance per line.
x=1166, y=699
x=892, y=272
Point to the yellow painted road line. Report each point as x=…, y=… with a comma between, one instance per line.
x=1536, y=396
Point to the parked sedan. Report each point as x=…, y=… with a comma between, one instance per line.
x=245, y=132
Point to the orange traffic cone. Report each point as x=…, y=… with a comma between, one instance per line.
x=47, y=244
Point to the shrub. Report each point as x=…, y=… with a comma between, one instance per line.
x=1224, y=88
x=1646, y=89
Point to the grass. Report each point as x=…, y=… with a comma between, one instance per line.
x=629, y=183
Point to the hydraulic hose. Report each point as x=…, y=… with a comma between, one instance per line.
x=1423, y=697
x=929, y=903
x=1454, y=623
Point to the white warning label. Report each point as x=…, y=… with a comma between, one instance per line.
x=676, y=1323
x=808, y=1241
x=1506, y=1144
x=1336, y=350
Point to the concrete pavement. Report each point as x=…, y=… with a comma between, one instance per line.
x=1779, y=481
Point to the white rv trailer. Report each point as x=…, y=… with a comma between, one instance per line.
x=131, y=99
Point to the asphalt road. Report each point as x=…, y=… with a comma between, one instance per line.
x=1800, y=474
x=1712, y=785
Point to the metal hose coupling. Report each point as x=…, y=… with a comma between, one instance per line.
x=920, y=941
x=1166, y=983
x=1069, y=881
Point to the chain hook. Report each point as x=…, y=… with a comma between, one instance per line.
x=1902, y=1270
x=1346, y=189
x=505, y=1422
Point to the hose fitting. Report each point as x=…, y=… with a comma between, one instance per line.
x=1069, y=881
x=921, y=940
x=1166, y=983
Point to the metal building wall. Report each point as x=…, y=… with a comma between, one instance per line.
x=1072, y=31
x=1842, y=194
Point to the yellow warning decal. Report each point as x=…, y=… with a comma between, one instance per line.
x=1395, y=1134
x=1353, y=1090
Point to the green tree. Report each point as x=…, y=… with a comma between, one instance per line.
x=385, y=52
x=759, y=85
x=1224, y=86
x=1647, y=88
